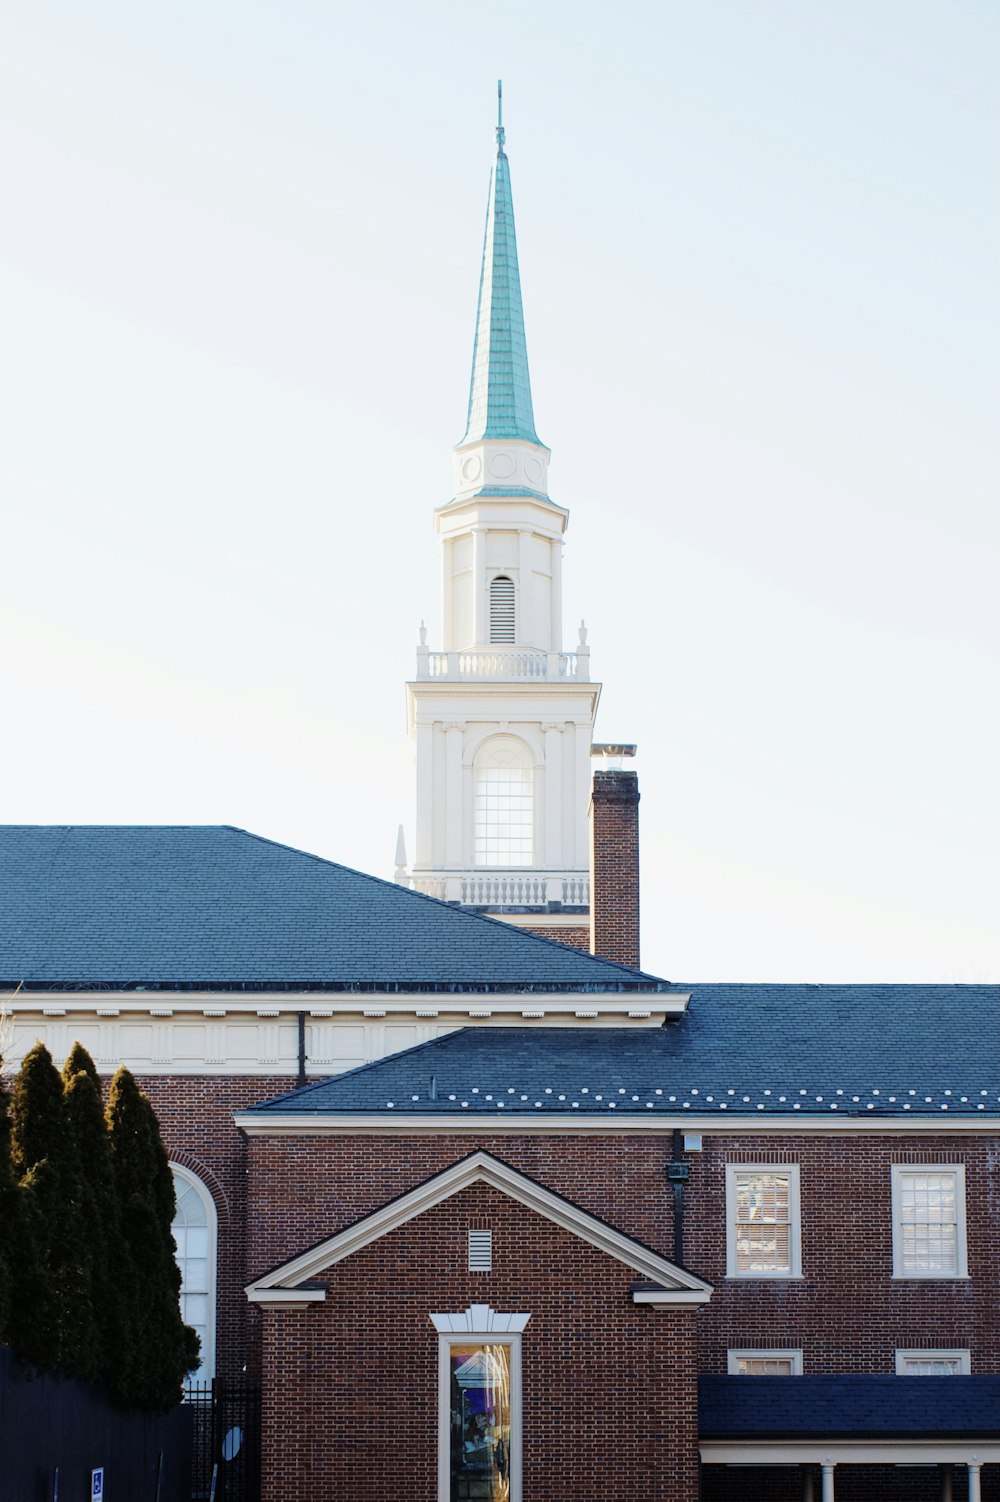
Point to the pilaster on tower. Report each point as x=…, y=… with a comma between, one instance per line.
x=502, y=717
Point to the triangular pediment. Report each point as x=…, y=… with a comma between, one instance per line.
x=664, y=1282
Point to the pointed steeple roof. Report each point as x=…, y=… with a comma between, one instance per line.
x=500, y=393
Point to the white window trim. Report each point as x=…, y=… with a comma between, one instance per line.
x=478, y=1323
x=961, y=1255
x=926, y=1353
x=751, y=1353
x=794, y=1219
x=206, y=1371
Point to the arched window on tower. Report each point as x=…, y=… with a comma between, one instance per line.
x=195, y=1228
x=504, y=794
x=502, y=623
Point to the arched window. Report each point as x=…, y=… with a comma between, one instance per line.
x=502, y=611
x=195, y=1234
x=505, y=815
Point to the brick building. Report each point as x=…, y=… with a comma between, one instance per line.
x=493, y=1217
x=598, y=1188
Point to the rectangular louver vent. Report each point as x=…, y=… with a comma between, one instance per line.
x=502, y=631
x=480, y=1251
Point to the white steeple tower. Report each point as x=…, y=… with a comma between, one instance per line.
x=503, y=718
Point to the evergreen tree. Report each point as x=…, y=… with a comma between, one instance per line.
x=159, y=1349
x=97, y=1354
x=52, y=1310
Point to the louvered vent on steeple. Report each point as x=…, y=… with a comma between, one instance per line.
x=502, y=611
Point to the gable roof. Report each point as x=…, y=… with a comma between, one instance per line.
x=291, y=1281
x=840, y=1052
x=135, y=906
x=855, y=1407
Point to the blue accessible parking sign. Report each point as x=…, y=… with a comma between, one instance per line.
x=97, y=1485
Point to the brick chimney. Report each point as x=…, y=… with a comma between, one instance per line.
x=614, y=867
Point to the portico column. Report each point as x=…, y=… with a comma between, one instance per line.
x=808, y=1494
x=828, y=1481
x=975, y=1489
x=946, y=1486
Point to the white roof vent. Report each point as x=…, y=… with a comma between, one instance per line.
x=480, y=1251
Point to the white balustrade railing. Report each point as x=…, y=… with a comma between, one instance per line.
x=531, y=889
x=495, y=662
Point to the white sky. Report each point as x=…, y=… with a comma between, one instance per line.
x=759, y=249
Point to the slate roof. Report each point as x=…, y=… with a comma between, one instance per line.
x=124, y=906
x=849, y=1407
x=834, y=1051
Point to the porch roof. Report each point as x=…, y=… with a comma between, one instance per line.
x=840, y=1407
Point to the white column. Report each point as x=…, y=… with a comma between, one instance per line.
x=552, y=845
x=526, y=590
x=422, y=851
x=480, y=592
x=555, y=594
x=453, y=795
x=975, y=1489
x=828, y=1481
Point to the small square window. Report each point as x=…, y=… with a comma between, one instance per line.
x=762, y=1220
x=786, y=1362
x=932, y=1363
x=928, y=1221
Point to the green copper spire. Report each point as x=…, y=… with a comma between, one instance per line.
x=500, y=393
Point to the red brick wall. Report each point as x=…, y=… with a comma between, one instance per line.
x=608, y=1387
x=845, y=1312
x=576, y=938
x=614, y=867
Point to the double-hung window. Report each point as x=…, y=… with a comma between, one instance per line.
x=928, y=1221
x=936, y=1363
x=757, y=1362
x=762, y=1220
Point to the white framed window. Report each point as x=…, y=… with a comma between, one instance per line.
x=762, y=1220
x=928, y=1221
x=932, y=1363
x=775, y=1362
x=479, y=1409
x=504, y=803
x=195, y=1231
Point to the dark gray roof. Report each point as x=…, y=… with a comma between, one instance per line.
x=835, y=1051
x=830, y=1407
x=124, y=905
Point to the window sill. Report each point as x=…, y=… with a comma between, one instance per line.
x=931, y=1278
x=765, y=1277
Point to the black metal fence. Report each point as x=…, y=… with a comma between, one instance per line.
x=225, y=1463
x=61, y=1439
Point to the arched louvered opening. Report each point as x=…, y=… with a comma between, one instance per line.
x=502, y=611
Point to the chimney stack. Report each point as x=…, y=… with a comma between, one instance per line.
x=614, y=866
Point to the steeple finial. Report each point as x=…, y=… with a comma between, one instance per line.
x=501, y=133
